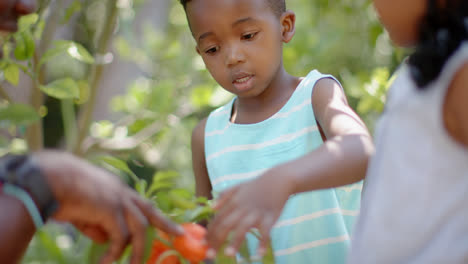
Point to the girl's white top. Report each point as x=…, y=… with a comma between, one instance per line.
x=415, y=199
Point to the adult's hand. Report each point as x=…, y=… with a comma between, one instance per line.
x=100, y=205
x=11, y=10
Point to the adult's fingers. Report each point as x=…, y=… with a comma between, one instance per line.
x=137, y=224
x=115, y=226
x=155, y=216
x=95, y=233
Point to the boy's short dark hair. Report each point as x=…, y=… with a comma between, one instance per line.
x=278, y=6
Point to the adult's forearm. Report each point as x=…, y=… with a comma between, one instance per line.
x=340, y=161
x=16, y=229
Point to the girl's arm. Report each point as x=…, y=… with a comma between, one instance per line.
x=341, y=160
x=202, y=181
x=456, y=109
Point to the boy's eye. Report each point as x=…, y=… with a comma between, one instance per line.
x=249, y=36
x=211, y=50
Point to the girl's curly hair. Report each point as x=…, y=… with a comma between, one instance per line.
x=442, y=32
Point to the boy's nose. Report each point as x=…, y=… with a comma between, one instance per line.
x=234, y=56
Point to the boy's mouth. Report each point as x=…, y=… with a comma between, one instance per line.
x=243, y=81
x=241, y=77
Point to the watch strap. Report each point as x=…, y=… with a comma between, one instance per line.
x=21, y=171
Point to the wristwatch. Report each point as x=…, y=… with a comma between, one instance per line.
x=21, y=171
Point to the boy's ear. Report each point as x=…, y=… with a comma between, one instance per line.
x=288, y=25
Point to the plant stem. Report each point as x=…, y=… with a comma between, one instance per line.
x=96, y=73
x=4, y=94
x=34, y=133
x=69, y=123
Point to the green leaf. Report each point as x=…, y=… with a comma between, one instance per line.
x=75, y=50
x=165, y=175
x=25, y=22
x=50, y=246
x=51, y=53
x=244, y=252
x=163, y=202
x=79, y=52
x=95, y=252
x=118, y=164
x=65, y=88
x=222, y=258
x=12, y=74
x=84, y=89
x=140, y=187
x=6, y=50
x=201, y=213
x=25, y=45
x=158, y=187
x=162, y=180
x=269, y=257
x=202, y=200
x=184, y=193
x=19, y=114
x=179, y=201
x=72, y=9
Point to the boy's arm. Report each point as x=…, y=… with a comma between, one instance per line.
x=202, y=181
x=343, y=158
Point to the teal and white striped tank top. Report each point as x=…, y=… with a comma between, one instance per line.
x=314, y=227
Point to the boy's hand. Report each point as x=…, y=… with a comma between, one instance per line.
x=254, y=204
x=100, y=205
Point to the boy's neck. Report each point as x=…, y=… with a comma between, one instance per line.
x=258, y=108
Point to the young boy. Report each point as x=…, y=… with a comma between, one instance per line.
x=270, y=133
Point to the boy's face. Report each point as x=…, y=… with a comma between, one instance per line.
x=402, y=19
x=240, y=41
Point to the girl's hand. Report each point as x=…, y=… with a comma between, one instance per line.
x=254, y=204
